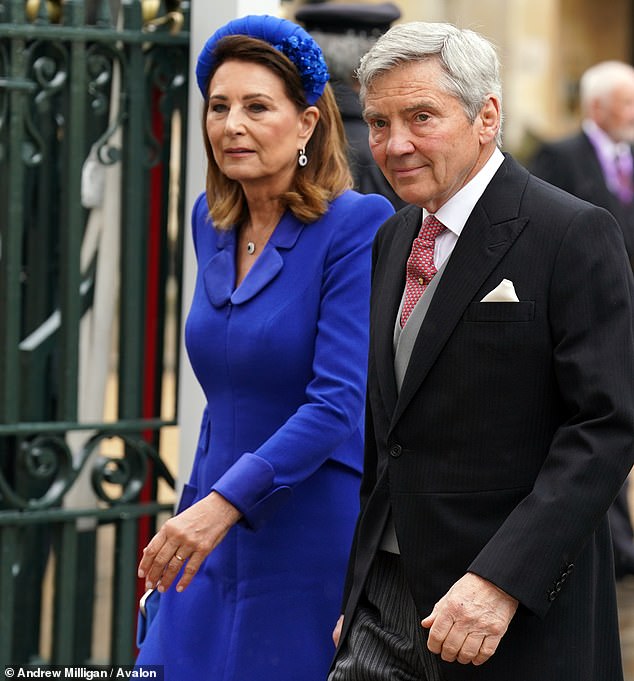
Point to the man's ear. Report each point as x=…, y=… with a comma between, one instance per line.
x=490, y=119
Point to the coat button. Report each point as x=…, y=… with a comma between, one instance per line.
x=395, y=451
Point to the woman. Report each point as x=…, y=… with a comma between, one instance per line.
x=277, y=337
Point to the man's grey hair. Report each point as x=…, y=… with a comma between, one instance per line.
x=469, y=61
x=600, y=80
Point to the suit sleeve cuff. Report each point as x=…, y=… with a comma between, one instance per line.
x=249, y=485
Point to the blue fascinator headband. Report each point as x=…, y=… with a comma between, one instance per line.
x=286, y=37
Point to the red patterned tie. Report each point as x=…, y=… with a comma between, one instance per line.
x=420, y=265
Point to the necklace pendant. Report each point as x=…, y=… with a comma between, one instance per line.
x=250, y=247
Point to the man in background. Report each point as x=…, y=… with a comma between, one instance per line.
x=345, y=32
x=596, y=165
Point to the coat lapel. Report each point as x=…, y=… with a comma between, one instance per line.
x=387, y=292
x=220, y=272
x=490, y=231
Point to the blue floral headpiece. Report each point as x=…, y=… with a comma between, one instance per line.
x=286, y=37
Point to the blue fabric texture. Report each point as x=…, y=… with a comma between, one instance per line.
x=149, y=609
x=147, y=614
x=285, y=36
x=282, y=362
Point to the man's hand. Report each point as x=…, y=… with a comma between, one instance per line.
x=468, y=622
x=336, y=633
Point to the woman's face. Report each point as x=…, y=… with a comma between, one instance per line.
x=254, y=129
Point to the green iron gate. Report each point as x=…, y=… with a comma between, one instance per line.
x=93, y=97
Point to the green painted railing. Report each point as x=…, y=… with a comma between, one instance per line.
x=93, y=98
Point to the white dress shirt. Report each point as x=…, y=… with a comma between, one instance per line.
x=455, y=213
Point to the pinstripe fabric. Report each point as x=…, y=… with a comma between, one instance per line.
x=386, y=641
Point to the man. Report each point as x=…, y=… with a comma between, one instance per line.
x=596, y=165
x=500, y=420
x=345, y=32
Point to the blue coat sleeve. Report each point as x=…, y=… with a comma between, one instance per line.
x=259, y=481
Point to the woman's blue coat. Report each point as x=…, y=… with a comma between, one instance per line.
x=282, y=362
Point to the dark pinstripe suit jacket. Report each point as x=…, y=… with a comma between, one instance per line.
x=514, y=427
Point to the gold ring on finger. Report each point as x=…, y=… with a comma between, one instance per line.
x=179, y=557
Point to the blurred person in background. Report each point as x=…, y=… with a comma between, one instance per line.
x=345, y=32
x=250, y=570
x=595, y=164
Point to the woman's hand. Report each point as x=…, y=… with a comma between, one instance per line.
x=186, y=539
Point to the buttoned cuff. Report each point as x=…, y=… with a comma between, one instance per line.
x=249, y=486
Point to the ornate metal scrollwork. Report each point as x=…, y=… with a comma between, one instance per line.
x=49, y=76
x=48, y=68
x=99, y=64
x=105, y=67
x=47, y=462
x=45, y=459
x=128, y=472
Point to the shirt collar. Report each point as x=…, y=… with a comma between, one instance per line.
x=604, y=144
x=455, y=213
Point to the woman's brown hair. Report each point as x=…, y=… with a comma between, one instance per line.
x=327, y=174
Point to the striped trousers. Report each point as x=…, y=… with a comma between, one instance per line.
x=386, y=641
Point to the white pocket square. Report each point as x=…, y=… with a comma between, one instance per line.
x=504, y=292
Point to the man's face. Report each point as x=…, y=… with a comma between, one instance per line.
x=615, y=113
x=420, y=135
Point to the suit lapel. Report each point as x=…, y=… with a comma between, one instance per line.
x=490, y=231
x=387, y=288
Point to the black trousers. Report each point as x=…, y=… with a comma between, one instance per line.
x=386, y=641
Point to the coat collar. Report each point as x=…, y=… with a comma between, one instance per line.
x=490, y=231
x=219, y=273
